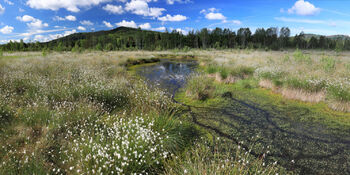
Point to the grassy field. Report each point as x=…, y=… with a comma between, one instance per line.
x=288, y=98
x=74, y=113
x=310, y=76
x=70, y=113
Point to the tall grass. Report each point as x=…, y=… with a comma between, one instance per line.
x=219, y=158
x=84, y=116
x=302, y=58
x=328, y=63
x=200, y=87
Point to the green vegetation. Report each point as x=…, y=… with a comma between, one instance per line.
x=76, y=116
x=124, y=38
x=209, y=158
x=328, y=64
x=339, y=93
x=243, y=110
x=83, y=112
x=300, y=57
x=242, y=71
x=200, y=88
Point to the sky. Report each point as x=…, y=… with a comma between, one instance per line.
x=44, y=20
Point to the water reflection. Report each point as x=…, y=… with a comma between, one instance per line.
x=168, y=75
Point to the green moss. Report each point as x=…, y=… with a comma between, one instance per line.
x=318, y=113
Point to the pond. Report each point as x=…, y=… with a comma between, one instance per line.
x=169, y=75
x=302, y=146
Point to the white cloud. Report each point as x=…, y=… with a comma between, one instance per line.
x=2, y=9
x=306, y=21
x=21, y=10
x=37, y=24
x=172, y=18
x=159, y=29
x=145, y=26
x=171, y=2
x=25, y=18
x=86, y=23
x=81, y=28
x=39, y=31
x=32, y=22
x=70, y=5
x=66, y=33
x=215, y=16
x=114, y=9
x=9, y=2
x=6, y=30
x=70, y=18
x=58, y=18
x=41, y=38
x=140, y=7
x=236, y=22
x=67, y=18
x=204, y=11
x=124, y=23
x=108, y=24
x=303, y=8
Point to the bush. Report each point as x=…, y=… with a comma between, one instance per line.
x=199, y=87
x=242, y=71
x=328, y=64
x=118, y=145
x=212, y=69
x=307, y=85
x=339, y=93
x=109, y=47
x=223, y=72
x=44, y=52
x=286, y=58
x=186, y=49
x=6, y=115
x=300, y=57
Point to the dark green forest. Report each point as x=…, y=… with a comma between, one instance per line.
x=124, y=38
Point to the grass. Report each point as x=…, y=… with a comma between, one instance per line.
x=84, y=115
x=200, y=88
x=75, y=113
x=208, y=157
x=233, y=117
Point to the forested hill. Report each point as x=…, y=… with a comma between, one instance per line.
x=124, y=38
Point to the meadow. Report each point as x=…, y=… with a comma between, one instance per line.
x=88, y=113
x=85, y=113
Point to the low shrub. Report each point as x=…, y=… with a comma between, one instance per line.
x=219, y=157
x=6, y=115
x=339, y=93
x=242, y=71
x=199, y=87
x=300, y=57
x=328, y=64
x=223, y=72
x=212, y=69
x=307, y=85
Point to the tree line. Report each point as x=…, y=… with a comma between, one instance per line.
x=137, y=39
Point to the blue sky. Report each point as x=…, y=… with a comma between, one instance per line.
x=43, y=20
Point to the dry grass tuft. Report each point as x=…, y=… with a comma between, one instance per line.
x=298, y=94
x=267, y=84
x=339, y=106
x=294, y=94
